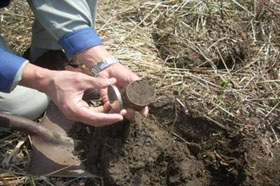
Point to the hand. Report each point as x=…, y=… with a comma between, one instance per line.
x=124, y=76
x=66, y=90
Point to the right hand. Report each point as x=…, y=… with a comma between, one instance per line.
x=66, y=90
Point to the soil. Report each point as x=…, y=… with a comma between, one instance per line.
x=142, y=153
x=161, y=150
x=138, y=94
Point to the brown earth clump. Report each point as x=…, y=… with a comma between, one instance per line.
x=138, y=94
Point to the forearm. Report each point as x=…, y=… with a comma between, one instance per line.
x=36, y=77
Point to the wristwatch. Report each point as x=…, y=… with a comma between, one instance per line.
x=104, y=64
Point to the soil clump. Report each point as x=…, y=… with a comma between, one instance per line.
x=138, y=94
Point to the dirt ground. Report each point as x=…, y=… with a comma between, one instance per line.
x=159, y=150
x=215, y=120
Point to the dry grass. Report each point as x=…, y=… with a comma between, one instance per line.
x=217, y=59
x=15, y=26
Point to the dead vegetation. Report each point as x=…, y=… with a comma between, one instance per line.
x=224, y=54
x=221, y=58
x=217, y=60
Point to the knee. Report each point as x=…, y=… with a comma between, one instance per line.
x=25, y=102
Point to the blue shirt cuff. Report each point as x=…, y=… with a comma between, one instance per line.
x=79, y=40
x=9, y=65
x=4, y=3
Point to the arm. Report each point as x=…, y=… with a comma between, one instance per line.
x=11, y=68
x=65, y=88
x=71, y=23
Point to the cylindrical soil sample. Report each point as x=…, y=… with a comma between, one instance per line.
x=138, y=94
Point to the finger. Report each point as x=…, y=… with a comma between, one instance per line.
x=133, y=77
x=127, y=79
x=98, y=119
x=123, y=112
x=130, y=114
x=107, y=107
x=145, y=111
x=100, y=109
x=104, y=82
x=100, y=83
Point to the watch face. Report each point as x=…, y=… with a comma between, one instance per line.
x=115, y=98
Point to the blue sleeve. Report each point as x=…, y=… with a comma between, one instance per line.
x=79, y=40
x=9, y=66
x=4, y=3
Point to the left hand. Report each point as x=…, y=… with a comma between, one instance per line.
x=90, y=57
x=124, y=76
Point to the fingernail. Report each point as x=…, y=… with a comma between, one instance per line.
x=112, y=80
x=123, y=112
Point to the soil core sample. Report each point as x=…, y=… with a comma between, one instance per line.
x=138, y=94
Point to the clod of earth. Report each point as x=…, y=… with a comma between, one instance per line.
x=138, y=94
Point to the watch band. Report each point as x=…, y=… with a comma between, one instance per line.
x=104, y=64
